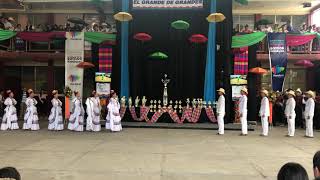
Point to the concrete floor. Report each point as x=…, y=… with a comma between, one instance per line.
x=153, y=154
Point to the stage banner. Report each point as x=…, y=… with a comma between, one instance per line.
x=74, y=54
x=167, y=4
x=278, y=59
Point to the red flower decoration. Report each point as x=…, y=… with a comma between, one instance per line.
x=142, y=37
x=198, y=38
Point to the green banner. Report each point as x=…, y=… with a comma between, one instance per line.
x=6, y=34
x=247, y=39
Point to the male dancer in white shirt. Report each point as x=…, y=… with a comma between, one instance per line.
x=290, y=112
x=221, y=111
x=309, y=113
x=243, y=111
x=264, y=112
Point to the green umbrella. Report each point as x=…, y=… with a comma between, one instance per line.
x=158, y=55
x=180, y=24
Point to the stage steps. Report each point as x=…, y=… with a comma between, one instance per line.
x=200, y=126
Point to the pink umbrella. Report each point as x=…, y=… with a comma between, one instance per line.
x=304, y=63
x=198, y=38
x=142, y=37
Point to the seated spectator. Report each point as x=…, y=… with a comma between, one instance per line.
x=10, y=173
x=55, y=27
x=7, y=24
x=316, y=165
x=39, y=28
x=60, y=28
x=304, y=28
x=284, y=28
x=292, y=171
x=18, y=28
x=95, y=28
x=2, y=26
x=276, y=28
x=68, y=27
x=246, y=29
x=289, y=27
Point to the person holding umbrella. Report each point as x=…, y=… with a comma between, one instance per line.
x=290, y=112
x=264, y=112
x=243, y=111
x=221, y=111
x=309, y=112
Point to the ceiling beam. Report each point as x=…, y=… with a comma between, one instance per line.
x=64, y=1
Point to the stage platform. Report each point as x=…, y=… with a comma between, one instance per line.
x=200, y=126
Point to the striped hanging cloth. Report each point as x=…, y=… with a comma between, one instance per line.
x=105, y=59
x=241, y=62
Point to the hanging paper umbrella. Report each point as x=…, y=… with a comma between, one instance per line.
x=158, y=55
x=216, y=17
x=258, y=70
x=198, y=38
x=76, y=20
x=304, y=63
x=180, y=24
x=142, y=37
x=123, y=16
x=85, y=65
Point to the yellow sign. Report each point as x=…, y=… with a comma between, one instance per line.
x=103, y=77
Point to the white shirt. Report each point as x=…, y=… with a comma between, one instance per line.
x=221, y=109
x=290, y=106
x=310, y=105
x=243, y=104
x=264, y=108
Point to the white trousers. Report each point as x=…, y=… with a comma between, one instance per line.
x=221, y=124
x=309, y=126
x=265, y=125
x=244, y=123
x=291, y=125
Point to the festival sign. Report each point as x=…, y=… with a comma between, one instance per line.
x=74, y=54
x=167, y=4
x=278, y=59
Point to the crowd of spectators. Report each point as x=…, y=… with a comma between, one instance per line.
x=285, y=28
x=8, y=23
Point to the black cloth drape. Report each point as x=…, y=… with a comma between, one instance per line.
x=253, y=96
x=224, y=65
x=186, y=63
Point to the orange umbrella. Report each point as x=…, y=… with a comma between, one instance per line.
x=85, y=65
x=258, y=70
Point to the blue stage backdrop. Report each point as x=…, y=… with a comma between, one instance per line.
x=210, y=78
x=124, y=90
x=278, y=59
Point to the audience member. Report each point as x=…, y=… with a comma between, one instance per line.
x=292, y=171
x=316, y=164
x=10, y=173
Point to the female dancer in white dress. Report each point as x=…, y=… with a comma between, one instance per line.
x=76, y=119
x=114, y=114
x=10, y=119
x=93, y=112
x=31, y=120
x=55, y=117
